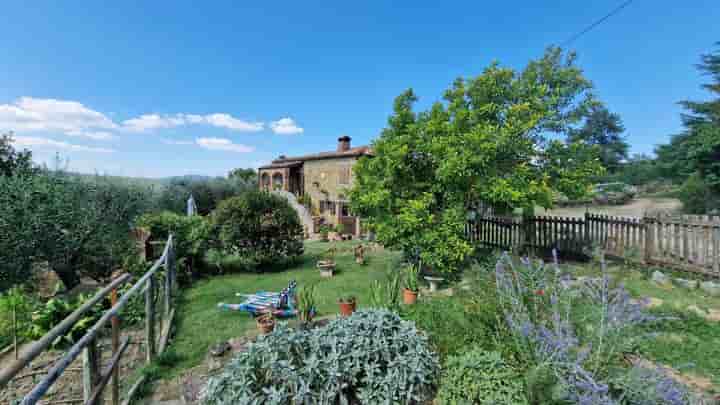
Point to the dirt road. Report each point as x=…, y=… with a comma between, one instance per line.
x=636, y=208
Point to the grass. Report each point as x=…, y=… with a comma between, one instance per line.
x=201, y=324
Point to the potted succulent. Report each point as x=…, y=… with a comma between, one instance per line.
x=347, y=305
x=327, y=265
x=306, y=302
x=410, y=292
x=265, y=322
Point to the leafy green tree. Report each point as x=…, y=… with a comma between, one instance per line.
x=245, y=175
x=12, y=161
x=207, y=192
x=604, y=130
x=697, y=149
x=80, y=227
x=487, y=144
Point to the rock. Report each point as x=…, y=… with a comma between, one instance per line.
x=219, y=349
x=711, y=288
x=697, y=310
x=689, y=284
x=647, y=302
x=659, y=278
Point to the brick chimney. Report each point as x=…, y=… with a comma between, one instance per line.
x=343, y=143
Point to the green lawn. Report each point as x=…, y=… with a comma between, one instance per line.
x=201, y=324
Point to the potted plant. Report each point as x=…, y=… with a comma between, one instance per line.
x=410, y=293
x=347, y=305
x=327, y=264
x=324, y=232
x=265, y=322
x=333, y=233
x=306, y=301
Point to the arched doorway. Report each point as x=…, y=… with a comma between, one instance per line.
x=265, y=181
x=277, y=181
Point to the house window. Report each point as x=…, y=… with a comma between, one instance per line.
x=344, y=175
x=326, y=206
x=345, y=210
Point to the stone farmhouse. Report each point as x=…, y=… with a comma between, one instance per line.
x=320, y=180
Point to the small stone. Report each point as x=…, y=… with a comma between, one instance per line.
x=689, y=284
x=711, y=288
x=659, y=278
x=219, y=349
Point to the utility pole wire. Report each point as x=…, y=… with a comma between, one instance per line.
x=596, y=23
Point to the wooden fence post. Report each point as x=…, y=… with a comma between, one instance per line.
x=649, y=238
x=115, y=322
x=150, y=319
x=716, y=248
x=91, y=368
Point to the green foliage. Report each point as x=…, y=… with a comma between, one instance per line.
x=80, y=226
x=371, y=357
x=644, y=386
x=696, y=151
x=486, y=144
x=603, y=130
x=11, y=161
x=411, y=273
x=307, y=302
x=207, y=192
x=57, y=309
x=248, y=176
x=698, y=197
x=386, y=293
x=15, y=309
x=259, y=227
x=480, y=377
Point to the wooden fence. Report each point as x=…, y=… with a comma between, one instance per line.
x=159, y=314
x=686, y=242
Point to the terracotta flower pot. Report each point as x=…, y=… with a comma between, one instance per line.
x=265, y=324
x=409, y=297
x=347, y=308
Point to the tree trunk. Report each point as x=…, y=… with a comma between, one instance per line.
x=68, y=275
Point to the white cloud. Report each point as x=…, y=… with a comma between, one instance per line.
x=32, y=142
x=229, y=122
x=286, y=126
x=174, y=142
x=36, y=114
x=95, y=135
x=148, y=122
x=223, y=144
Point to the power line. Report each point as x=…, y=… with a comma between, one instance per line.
x=596, y=23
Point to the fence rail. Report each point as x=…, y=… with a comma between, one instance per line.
x=96, y=380
x=687, y=242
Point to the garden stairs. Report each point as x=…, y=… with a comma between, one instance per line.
x=303, y=213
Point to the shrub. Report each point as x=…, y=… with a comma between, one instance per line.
x=646, y=386
x=480, y=377
x=260, y=227
x=697, y=196
x=190, y=237
x=371, y=357
x=466, y=319
x=57, y=309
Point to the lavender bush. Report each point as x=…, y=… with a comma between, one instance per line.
x=538, y=307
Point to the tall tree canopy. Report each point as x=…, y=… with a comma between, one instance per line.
x=604, y=130
x=12, y=161
x=486, y=144
x=696, y=151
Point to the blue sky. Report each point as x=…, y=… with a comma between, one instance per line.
x=168, y=88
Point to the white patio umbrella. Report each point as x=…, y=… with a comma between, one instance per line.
x=191, y=206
